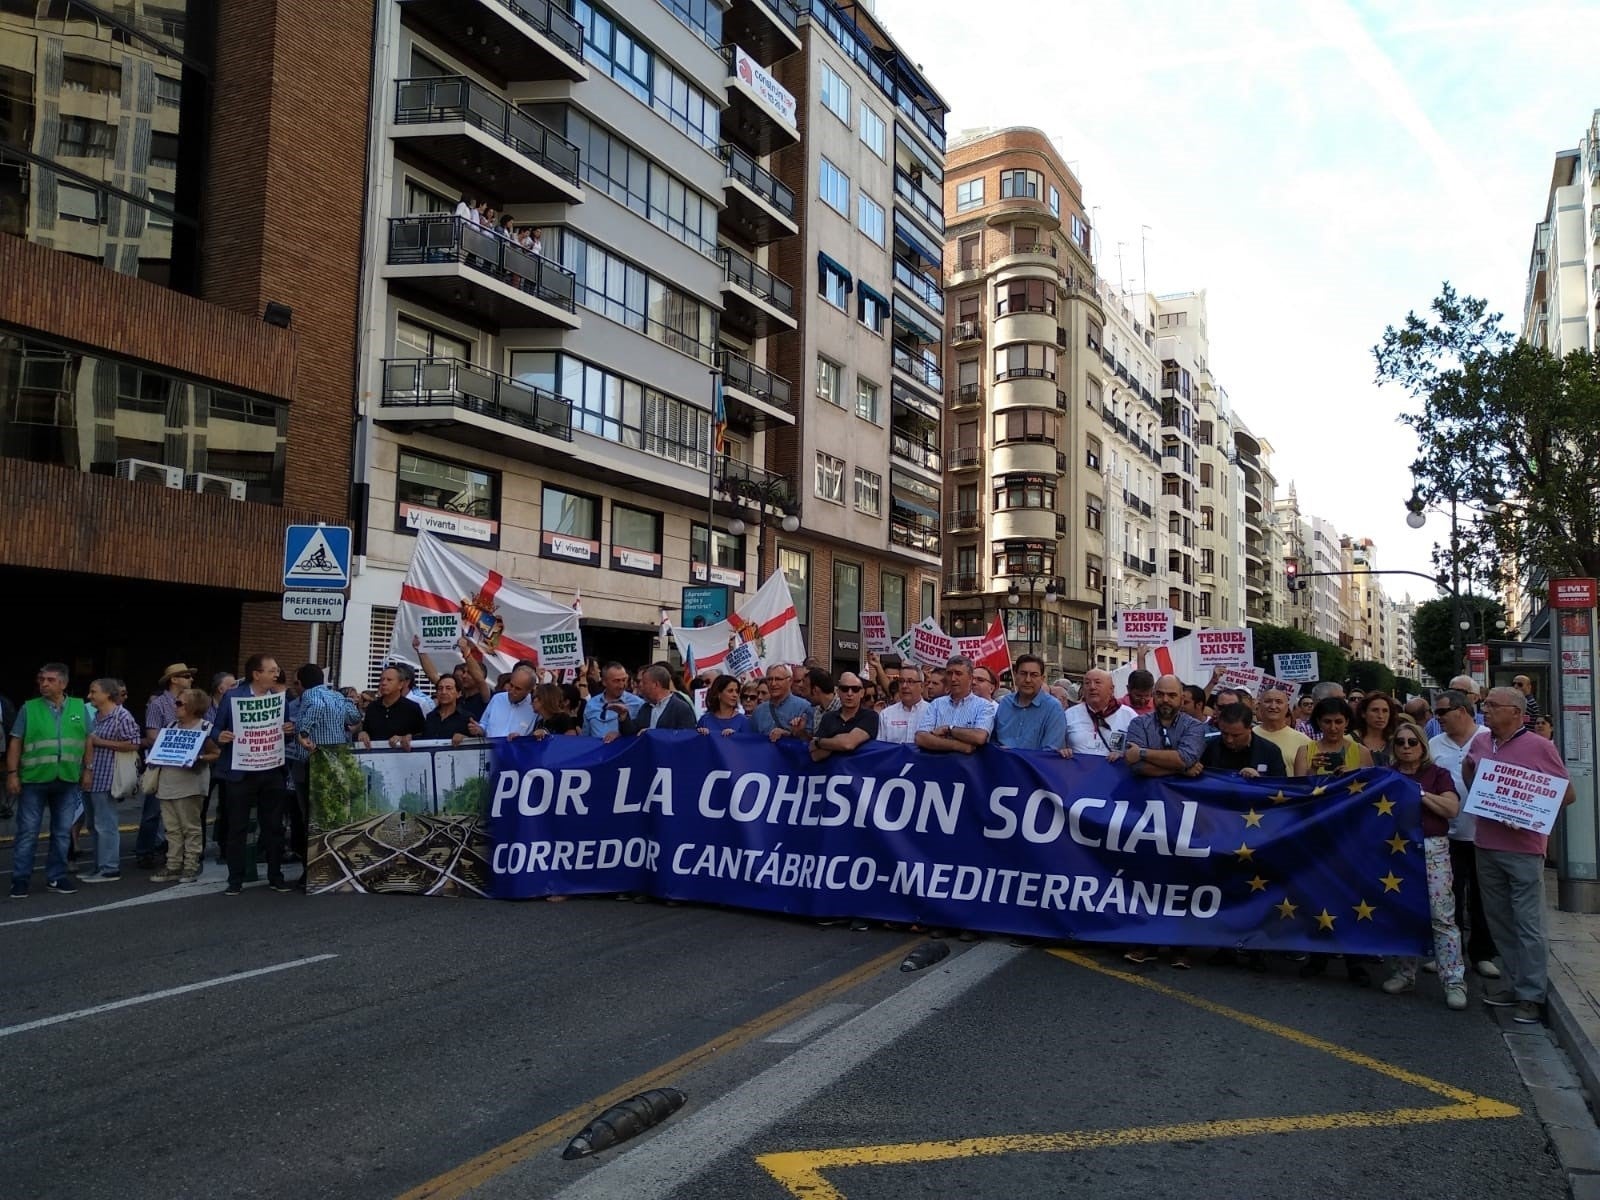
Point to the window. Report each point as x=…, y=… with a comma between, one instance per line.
x=1205, y=475
x=892, y=589
x=571, y=527
x=868, y=492
x=1094, y=514
x=872, y=309
x=87, y=75
x=1021, y=185
x=1208, y=560
x=623, y=292
x=421, y=200
x=835, y=94
x=164, y=150
x=830, y=381
x=969, y=195
x=84, y=137
x=1094, y=572
x=830, y=477
x=1092, y=454
x=833, y=186
x=728, y=566
x=833, y=284
x=846, y=597
x=930, y=593
x=1025, y=360
x=169, y=91
x=866, y=400
x=969, y=252
x=1055, y=202
x=1025, y=425
x=1080, y=231
x=1025, y=295
x=796, y=568
x=450, y=499
x=77, y=203
x=616, y=50
x=161, y=200
x=869, y=217
x=1018, y=557
x=635, y=540
x=1021, y=490
x=873, y=131
x=412, y=340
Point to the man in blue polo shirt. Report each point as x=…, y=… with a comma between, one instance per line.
x=784, y=714
x=1029, y=718
x=602, y=715
x=960, y=720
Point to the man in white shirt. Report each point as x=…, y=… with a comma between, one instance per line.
x=898, y=721
x=510, y=713
x=1099, y=724
x=960, y=720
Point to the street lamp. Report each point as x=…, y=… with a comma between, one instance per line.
x=750, y=485
x=1014, y=597
x=1416, y=518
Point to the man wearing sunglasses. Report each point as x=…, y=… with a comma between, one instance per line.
x=1455, y=715
x=845, y=729
x=1467, y=686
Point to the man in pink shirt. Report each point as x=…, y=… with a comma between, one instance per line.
x=1511, y=860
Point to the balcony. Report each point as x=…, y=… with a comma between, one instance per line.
x=761, y=112
x=920, y=454
x=1034, y=250
x=963, y=520
x=506, y=40
x=1134, y=563
x=962, y=582
x=929, y=209
x=753, y=485
x=1255, y=581
x=920, y=367
x=768, y=29
x=766, y=398
x=759, y=206
x=963, y=332
x=464, y=131
x=755, y=302
x=911, y=529
x=966, y=458
x=464, y=403
x=464, y=268
x=966, y=396
x=922, y=288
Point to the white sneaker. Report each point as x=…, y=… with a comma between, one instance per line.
x=1455, y=997
x=1396, y=984
x=1487, y=969
x=1431, y=967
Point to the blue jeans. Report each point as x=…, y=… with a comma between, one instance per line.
x=107, y=837
x=151, y=836
x=65, y=801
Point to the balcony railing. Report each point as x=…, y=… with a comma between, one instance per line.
x=739, y=372
x=916, y=452
x=966, y=331
x=454, y=383
x=736, y=268
x=914, y=531
x=1046, y=248
x=1134, y=563
x=550, y=20
x=921, y=367
x=758, y=179
x=753, y=484
x=911, y=192
x=964, y=519
x=962, y=581
x=440, y=238
x=457, y=98
x=963, y=457
x=923, y=288
x=965, y=395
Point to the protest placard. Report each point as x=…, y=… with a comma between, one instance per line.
x=902, y=644
x=1288, y=687
x=560, y=648
x=176, y=747
x=439, y=631
x=258, y=732
x=1300, y=667
x=1144, y=626
x=1224, y=647
x=1244, y=679
x=930, y=645
x=742, y=660
x=875, y=632
x=1516, y=796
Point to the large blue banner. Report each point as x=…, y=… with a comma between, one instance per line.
x=1008, y=841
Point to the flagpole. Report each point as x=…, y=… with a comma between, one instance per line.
x=719, y=422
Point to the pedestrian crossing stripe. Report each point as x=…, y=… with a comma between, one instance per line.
x=316, y=556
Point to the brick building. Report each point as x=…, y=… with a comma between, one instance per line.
x=180, y=233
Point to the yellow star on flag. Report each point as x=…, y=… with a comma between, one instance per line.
x=1357, y=785
x=1286, y=909
x=1258, y=884
x=1364, y=911
x=1244, y=851
x=1325, y=920
x=1318, y=790
x=1396, y=844
x=1278, y=797
x=1252, y=819
x=1391, y=882
x=1384, y=805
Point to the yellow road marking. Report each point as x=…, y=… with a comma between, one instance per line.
x=458, y=1181
x=44, y=834
x=800, y=1171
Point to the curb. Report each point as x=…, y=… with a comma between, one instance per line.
x=1570, y=1037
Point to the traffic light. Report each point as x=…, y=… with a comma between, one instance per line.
x=1291, y=569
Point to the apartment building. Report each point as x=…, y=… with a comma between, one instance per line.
x=1183, y=347
x=1256, y=487
x=1034, y=380
x=1294, y=541
x=180, y=229
x=1328, y=614
x=866, y=447
x=1401, y=655
x=1219, y=563
x=1559, y=306
x=1364, y=632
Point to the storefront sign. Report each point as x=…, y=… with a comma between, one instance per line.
x=449, y=524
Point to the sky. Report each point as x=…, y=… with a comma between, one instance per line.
x=1319, y=167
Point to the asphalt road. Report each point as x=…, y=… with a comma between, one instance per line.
x=442, y=1032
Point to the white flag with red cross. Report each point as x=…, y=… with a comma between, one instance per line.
x=447, y=594
x=766, y=622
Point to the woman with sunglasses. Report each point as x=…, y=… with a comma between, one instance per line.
x=1440, y=802
x=723, y=714
x=749, y=699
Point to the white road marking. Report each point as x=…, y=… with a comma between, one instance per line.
x=682, y=1151
x=178, y=891
x=163, y=994
x=796, y=1032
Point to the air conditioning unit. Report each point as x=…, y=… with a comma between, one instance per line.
x=215, y=485
x=142, y=470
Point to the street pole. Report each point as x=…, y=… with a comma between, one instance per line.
x=1456, y=639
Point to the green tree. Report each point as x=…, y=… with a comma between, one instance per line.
x=1507, y=430
x=1407, y=686
x=1332, y=661
x=1370, y=676
x=1436, y=624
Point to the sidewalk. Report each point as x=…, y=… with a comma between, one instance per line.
x=1574, y=1000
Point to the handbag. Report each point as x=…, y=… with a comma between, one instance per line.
x=150, y=780
x=125, y=774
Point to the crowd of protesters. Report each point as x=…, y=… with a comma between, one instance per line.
x=80, y=758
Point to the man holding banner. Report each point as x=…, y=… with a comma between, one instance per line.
x=250, y=729
x=960, y=720
x=1030, y=718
